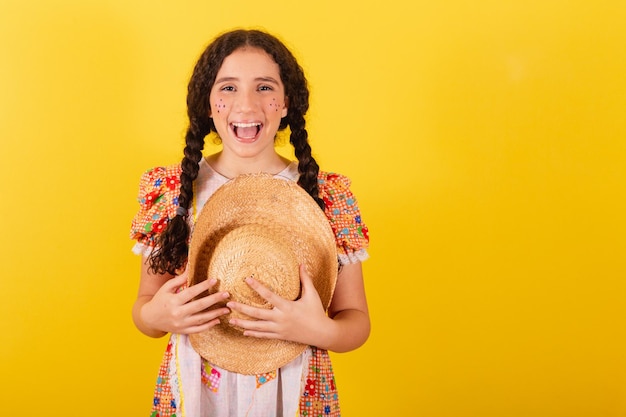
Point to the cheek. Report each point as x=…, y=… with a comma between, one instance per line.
x=219, y=106
x=275, y=105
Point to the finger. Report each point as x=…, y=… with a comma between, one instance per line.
x=260, y=326
x=264, y=292
x=207, y=316
x=308, y=287
x=204, y=303
x=254, y=312
x=261, y=335
x=195, y=290
x=305, y=279
x=204, y=321
x=201, y=328
x=175, y=283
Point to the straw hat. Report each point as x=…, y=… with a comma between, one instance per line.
x=261, y=226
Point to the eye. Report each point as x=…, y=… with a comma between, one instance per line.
x=265, y=88
x=227, y=88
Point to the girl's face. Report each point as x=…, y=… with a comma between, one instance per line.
x=247, y=103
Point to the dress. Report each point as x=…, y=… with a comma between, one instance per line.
x=189, y=386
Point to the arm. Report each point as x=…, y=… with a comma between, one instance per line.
x=161, y=307
x=349, y=311
x=345, y=328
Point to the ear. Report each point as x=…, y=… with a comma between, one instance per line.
x=285, y=107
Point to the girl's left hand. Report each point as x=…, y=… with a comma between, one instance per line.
x=303, y=320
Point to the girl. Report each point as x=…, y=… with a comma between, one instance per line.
x=246, y=86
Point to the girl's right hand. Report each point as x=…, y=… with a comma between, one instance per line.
x=177, y=311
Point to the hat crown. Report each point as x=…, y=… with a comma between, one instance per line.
x=261, y=226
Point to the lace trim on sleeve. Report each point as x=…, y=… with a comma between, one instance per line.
x=353, y=257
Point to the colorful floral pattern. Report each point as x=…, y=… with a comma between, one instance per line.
x=163, y=404
x=320, y=397
x=265, y=378
x=210, y=376
x=343, y=213
x=158, y=199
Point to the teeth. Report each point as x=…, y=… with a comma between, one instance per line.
x=246, y=124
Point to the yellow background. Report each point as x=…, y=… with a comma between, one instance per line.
x=486, y=144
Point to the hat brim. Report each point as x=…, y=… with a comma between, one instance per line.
x=262, y=226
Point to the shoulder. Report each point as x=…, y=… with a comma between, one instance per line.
x=331, y=181
x=334, y=189
x=344, y=216
x=158, y=177
x=159, y=188
x=157, y=182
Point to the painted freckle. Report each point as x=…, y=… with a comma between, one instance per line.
x=220, y=105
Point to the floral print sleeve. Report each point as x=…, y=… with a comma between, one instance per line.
x=158, y=198
x=344, y=216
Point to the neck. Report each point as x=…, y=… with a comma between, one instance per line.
x=233, y=167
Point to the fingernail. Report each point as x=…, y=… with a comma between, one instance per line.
x=225, y=295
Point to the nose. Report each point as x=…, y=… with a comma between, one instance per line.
x=246, y=101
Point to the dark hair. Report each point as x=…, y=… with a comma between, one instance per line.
x=170, y=253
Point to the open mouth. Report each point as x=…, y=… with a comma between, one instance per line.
x=246, y=130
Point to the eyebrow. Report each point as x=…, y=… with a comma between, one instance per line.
x=262, y=79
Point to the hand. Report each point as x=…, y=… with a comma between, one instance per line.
x=176, y=311
x=303, y=320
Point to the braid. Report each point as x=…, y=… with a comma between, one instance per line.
x=171, y=250
x=190, y=166
x=307, y=165
x=297, y=93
